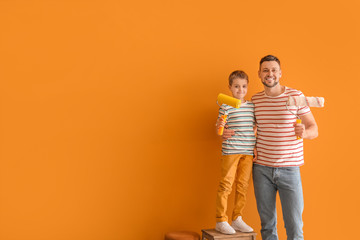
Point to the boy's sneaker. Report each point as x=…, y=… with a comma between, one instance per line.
x=240, y=225
x=224, y=227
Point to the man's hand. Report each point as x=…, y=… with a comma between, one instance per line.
x=255, y=154
x=228, y=133
x=308, y=128
x=299, y=130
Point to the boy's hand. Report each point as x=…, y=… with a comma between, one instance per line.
x=299, y=130
x=228, y=133
x=220, y=123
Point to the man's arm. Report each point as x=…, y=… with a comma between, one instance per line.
x=308, y=129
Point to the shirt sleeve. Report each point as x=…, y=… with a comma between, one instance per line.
x=222, y=110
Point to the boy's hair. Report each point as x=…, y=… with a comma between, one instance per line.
x=269, y=58
x=238, y=74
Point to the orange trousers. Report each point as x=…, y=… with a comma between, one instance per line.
x=234, y=168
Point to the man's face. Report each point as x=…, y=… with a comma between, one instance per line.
x=270, y=73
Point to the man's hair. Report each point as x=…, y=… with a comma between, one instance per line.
x=238, y=74
x=269, y=58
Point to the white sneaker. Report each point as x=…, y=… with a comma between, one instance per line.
x=224, y=228
x=240, y=225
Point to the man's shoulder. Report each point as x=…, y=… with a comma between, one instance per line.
x=293, y=92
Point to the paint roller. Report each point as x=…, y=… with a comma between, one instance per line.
x=302, y=101
x=231, y=101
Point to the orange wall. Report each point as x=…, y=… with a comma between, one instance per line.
x=108, y=112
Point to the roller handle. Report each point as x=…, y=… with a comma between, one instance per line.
x=221, y=129
x=298, y=120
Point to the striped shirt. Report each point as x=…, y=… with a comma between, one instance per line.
x=277, y=145
x=241, y=120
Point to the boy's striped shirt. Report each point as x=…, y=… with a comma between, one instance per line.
x=242, y=121
x=277, y=145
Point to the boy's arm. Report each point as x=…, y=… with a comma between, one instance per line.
x=228, y=133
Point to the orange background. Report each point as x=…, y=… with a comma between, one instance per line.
x=108, y=112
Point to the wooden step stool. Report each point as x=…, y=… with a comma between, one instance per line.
x=212, y=234
x=182, y=235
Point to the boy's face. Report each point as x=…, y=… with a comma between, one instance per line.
x=270, y=73
x=239, y=88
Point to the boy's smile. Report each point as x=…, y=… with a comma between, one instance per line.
x=239, y=88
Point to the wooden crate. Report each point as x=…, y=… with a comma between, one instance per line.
x=212, y=234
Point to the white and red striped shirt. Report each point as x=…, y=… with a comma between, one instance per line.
x=276, y=144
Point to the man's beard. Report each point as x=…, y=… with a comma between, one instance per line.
x=270, y=86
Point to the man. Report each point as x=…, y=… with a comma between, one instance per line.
x=279, y=152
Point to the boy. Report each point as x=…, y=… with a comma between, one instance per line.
x=237, y=155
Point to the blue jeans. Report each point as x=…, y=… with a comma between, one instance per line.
x=286, y=180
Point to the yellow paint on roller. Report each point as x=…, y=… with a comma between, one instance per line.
x=231, y=101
